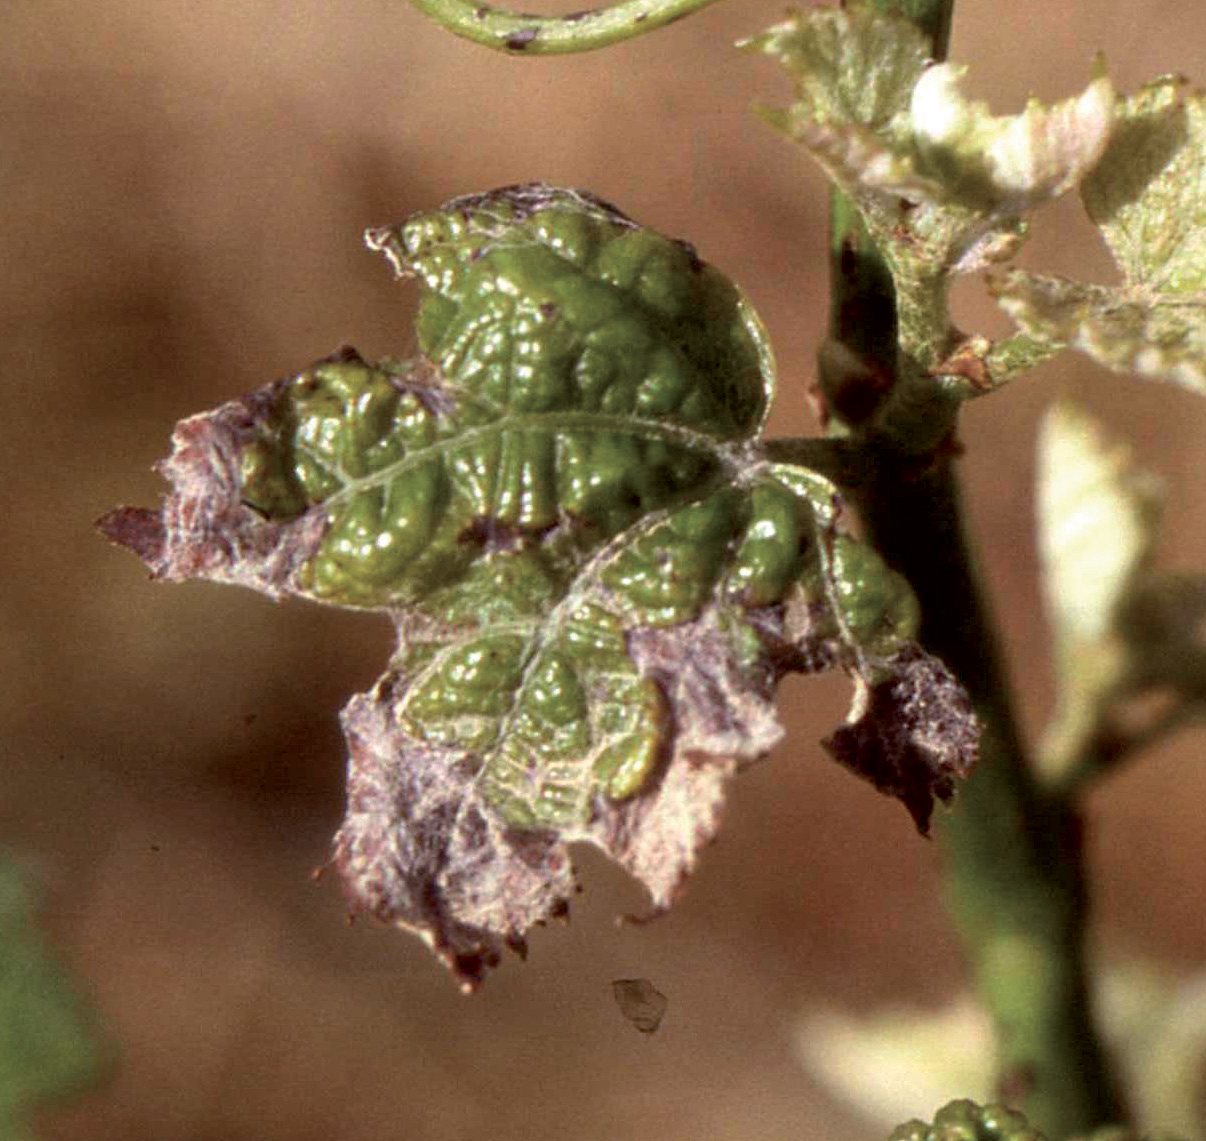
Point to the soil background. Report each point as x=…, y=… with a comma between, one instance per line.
x=183, y=190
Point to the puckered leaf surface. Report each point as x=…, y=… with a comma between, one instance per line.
x=596, y=576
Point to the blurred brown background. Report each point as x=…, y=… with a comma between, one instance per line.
x=183, y=187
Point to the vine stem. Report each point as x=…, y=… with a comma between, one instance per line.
x=1013, y=850
x=520, y=34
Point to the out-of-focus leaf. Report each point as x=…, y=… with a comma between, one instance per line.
x=1098, y=515
x=893, y=1063
x=597, y=577
x=1121, y=630
x=1148, y=197
x=1097, y=522
x=46, y=1049
x=640, y=1002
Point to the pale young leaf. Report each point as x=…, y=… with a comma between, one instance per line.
x=1148, y=196
x=1098, y=516
x=1005, y=165
x=1126, y=328
x=941, y=182
x=1148, y=192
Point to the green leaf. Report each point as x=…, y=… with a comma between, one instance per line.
x=856, y=65
x=597, y=576
x=1147, y=193
x=1147, y=196
x=46, y=1050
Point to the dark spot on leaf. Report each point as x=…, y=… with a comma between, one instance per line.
x=640, y=1002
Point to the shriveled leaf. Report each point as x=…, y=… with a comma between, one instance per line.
x=912, y=734
x=596, y=576
x=47, y=1051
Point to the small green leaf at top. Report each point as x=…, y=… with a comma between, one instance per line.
x=597, y=576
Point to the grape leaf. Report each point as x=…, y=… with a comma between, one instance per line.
x=937, y=177
x=1147, y=197
x=596, y=575
x=1121, y=629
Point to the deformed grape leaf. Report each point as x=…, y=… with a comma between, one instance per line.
x=597, y=577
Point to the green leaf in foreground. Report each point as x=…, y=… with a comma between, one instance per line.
x=596, y=575
x=46, y=1050
x=1148, y=197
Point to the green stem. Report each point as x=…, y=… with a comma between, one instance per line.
x=521, y=34
x=1015, y=860
x=1014, y=853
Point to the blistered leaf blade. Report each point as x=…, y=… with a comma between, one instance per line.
x=1147, y=193
x=540, y=299
x=596, y=577
x=968, y=1119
